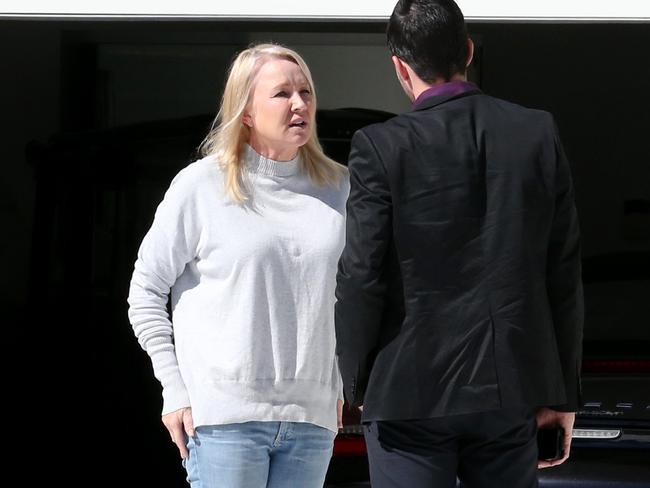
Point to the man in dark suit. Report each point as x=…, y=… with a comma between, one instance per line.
x=459, y=312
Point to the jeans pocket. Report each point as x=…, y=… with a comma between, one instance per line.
x=191, y=465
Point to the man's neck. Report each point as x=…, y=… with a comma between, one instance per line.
x=420, y=86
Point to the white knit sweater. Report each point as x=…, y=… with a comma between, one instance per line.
x=252, y=333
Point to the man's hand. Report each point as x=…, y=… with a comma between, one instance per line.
x=550, y=418
x=179, y=423
x=339, y=414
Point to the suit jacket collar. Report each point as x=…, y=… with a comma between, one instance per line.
x=441, y=93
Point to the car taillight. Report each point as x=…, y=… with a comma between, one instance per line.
x=627, y=366
x=349, y=445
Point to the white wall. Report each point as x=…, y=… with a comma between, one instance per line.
x=377, y=9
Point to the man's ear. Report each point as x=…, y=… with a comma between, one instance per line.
x=400, y=69
x=403, y=76
x=470, y=52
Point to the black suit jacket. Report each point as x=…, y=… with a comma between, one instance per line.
x=459, y=288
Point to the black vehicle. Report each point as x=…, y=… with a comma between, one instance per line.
x=132, y=166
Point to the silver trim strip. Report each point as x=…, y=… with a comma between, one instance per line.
x=603, y=434
x=599, y=434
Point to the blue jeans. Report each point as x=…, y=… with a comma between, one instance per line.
x=259, y=455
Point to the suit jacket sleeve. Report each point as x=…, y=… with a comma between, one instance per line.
x=361, y=280
x=564, y=281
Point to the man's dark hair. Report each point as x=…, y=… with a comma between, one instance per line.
x=430, y=36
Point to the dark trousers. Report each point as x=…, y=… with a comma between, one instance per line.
x=495, y=449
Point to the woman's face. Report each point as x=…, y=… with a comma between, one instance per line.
x=281, y=111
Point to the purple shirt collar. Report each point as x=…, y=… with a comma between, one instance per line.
x=451, y=88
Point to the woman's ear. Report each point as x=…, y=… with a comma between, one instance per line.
x=247, y=120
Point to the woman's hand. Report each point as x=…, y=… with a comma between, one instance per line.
x=550, y=418
x=179, y=423
x=339, y=414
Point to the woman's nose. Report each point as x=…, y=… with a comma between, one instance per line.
x=297, y=103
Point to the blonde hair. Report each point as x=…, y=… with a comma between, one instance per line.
x=228, y=135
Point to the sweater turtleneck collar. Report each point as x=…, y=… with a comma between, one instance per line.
x=256, y=163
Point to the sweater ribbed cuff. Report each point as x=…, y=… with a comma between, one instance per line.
x=175, y=397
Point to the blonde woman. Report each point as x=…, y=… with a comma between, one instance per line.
x=247, y=241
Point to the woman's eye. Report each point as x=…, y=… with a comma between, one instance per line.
x=281, y=94
x=305, y=92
